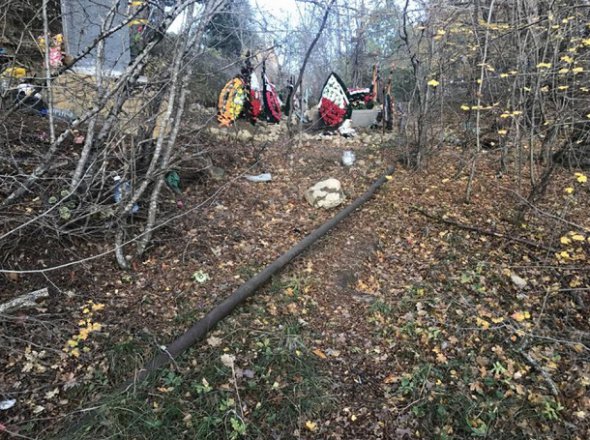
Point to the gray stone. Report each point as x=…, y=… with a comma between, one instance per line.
x=325, y=194
x=216, y=173
x=364, y=118
x=518, y=281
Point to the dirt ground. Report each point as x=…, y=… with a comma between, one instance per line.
x=419, y=316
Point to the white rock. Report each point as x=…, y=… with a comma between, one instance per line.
x=244, y=135
x=518, y=281
x=346, y=129
x=348, y=158
x=228, y=360
x=7, y=404
x=325, y=194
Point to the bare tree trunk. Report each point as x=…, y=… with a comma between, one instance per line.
x=478, y=108
x=48, y=73
x=307, y=55
x=89, y=140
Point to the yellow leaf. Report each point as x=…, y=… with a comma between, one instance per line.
x=441, y=358
x=464, y=107
x=502, y=132
x=564, y=255
x=482, y=323
x=72, y=343
x=552, y=365
x=569, y=190
x=51, y=394
x=433, y=83
x=319, y=353
x=83, y=335
x=563, y=87
x=580, y=414
x=389, y=177
x=392, y=378
x=503, y=75
x=565, y=240
x=567, y=59
x=544, y=66
x=97, y=307
x=520, y=316
x=311, y=426
x=581, y=178
x=85, y=310
x=75, y=352
x=578, y=69
x=353, y=417
x=578, y=237
x=96, y=327
x=497, y=320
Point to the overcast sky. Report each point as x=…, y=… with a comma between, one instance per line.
x=276, y=7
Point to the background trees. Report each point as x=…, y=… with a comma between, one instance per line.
x=485, y=74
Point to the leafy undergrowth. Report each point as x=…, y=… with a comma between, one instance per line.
x=254, y=382
x=419, y=316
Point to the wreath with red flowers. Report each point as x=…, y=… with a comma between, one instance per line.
x=331, y=114
x=334, y=105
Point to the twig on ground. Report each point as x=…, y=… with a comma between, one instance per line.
x=533, y=363
x=26, y=300
x=483, y=231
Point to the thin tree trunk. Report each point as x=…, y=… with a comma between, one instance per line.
x=307, y=55
x=478, y=108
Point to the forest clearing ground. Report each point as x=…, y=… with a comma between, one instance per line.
x=393, y=326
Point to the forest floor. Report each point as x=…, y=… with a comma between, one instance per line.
x=420, y=316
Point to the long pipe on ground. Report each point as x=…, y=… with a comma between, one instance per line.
x=202, y=327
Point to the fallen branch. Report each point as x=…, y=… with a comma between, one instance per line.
x=483, y=231
x=545, y=213
x=26, y=300
x=533, y=363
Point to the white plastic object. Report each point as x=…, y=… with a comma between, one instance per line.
x=265, y=177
